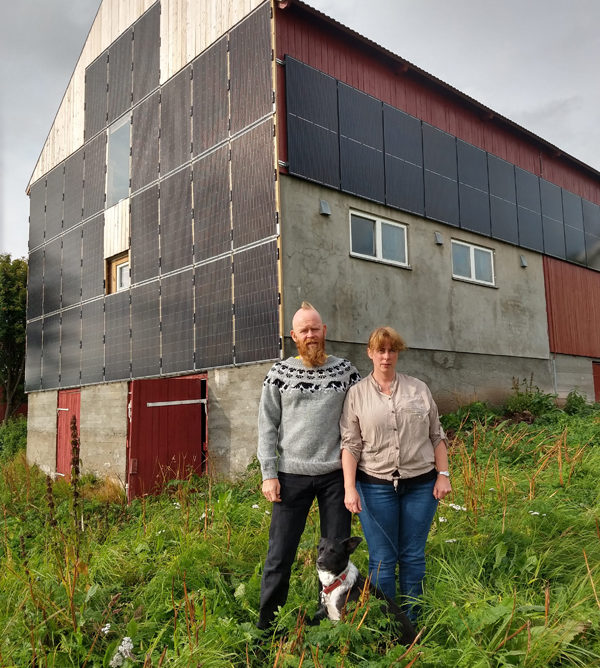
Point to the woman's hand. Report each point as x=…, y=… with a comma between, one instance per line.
x=352, y=500
x=442, y=487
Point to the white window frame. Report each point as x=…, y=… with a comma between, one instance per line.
x=472, y=278
x=378, y=257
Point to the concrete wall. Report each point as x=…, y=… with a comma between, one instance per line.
x=233, y=397
x=41, y=430
x=573, y=373
x=430, y=309
x=103, y=430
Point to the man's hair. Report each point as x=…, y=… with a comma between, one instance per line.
x=386, y=335
x=307, y=306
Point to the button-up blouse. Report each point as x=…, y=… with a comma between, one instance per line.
x=391, y=435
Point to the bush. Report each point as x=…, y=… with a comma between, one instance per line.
x=576, y=404
x=464, y=417
x=13, y=436
x=528, y=399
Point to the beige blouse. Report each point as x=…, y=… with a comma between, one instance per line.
x=388, y=433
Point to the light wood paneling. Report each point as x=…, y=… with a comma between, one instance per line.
x=116, y=228
x=187, y=28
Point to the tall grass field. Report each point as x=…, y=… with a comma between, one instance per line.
x=513, y=562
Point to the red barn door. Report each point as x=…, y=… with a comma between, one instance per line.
x=167, y=431
x=596, y=372
x=69, y=403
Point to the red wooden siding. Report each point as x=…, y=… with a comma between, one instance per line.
x=167, y=431
x=68, y=404
x=320, y=44
x=573, y=306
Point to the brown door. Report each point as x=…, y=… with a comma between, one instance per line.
x=167, y=431
x=596, y=372
x=69, y=403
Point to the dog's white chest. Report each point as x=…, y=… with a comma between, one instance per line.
x=335, y=599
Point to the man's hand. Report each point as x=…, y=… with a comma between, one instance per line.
x=271, y=489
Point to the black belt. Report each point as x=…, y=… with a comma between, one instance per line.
x=361, y=476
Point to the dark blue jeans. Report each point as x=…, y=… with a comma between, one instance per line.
x=287, y=524
x=396, y=524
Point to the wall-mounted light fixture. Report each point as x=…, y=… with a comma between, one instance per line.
x=439, y=239
x=324, y=209
x=523, y=260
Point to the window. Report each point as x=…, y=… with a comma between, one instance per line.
x=472, y=263
x=117, y=271
x=378, y=239
x=117, y=170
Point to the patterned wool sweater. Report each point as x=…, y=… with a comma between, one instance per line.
x=299, y=414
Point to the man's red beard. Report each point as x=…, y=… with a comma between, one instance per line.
x=312, y=355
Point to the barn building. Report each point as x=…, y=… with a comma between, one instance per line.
x=214, y=163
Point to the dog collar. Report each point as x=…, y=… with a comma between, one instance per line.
x=335, y=584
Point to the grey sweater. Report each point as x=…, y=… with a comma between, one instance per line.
x=299, y=414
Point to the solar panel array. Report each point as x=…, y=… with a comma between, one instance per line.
x=202, y=218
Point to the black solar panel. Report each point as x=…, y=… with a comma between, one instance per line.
x=146, y=52
x=55, y=180
x=474, y=209
x=144, y=235
x=34, y=284
x=210, y=97
x=362, y=170
x=313, y=151
x=70, y=347
x=502, y=179
x=96, y=79
x=92, y=342
x=528, y=190
x=52, y=287
x=33, y=358
x=175, y=122
x=144, y=143
x=177, y=322
x=360, y=117
x=119, y=76
x=71, y=268
x=94, y=176
x=73, y=206
x=572, y=209
x=176, y=221
x=439, y=152
x=253, y=185
x=256, y=304
x=504, y=220
x=212, y=205
x=92, y=275
x=404, y=187
x=311, y=95
x=554, y=236
x=214, y=318
x=117, y=341
x=37, y=213
x=250, y=69
x=574, y=245
x=50, y=352
x=145, y=330
x=402, y=135
x=441, y=198
x=530, y=229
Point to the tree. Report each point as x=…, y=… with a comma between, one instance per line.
x=13, y=302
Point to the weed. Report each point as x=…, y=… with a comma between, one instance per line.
x=528, y=401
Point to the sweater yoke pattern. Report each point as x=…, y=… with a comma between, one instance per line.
x=338, y=377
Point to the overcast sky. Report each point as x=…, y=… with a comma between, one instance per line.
x=533, y=61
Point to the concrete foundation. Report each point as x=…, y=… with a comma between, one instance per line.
x=573, y=373
x=41, y=430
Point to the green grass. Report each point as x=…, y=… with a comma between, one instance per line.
x=512, y=580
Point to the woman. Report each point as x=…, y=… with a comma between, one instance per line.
x=395, y=463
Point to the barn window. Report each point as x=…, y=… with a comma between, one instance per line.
x=117, y=170
x=375, y=238
x=117, y=273
x=472, y=263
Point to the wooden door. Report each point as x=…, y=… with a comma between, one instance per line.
x=596, y=372
x=69, y=404
x=167, y=431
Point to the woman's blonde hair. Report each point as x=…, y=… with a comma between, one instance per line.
x=386, y=335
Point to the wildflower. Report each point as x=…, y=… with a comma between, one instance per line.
x=442, y=519
x=123, y=652
x=202, y=516
x=456, y=507
x=177, y=504
x=492, y=489
x=255, y=505
x=105, y=629
x=533, y=512
x=451, y=540
x=267, y=512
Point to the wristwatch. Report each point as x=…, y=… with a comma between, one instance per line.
x=446, y=473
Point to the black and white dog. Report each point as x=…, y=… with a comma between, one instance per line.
x=341, y=582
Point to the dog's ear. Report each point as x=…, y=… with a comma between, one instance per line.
x=350, y=544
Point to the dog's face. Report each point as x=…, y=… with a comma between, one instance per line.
x=333, y=553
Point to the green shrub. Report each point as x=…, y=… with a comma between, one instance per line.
x=576, y=404
x=528, y=398
x=13, y=436
x=464, y=417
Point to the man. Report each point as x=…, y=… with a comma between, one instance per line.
x=299, y=451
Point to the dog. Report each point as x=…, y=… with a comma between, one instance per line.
x=342, y=582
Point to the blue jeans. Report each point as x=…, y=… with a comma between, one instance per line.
x=396, y=524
